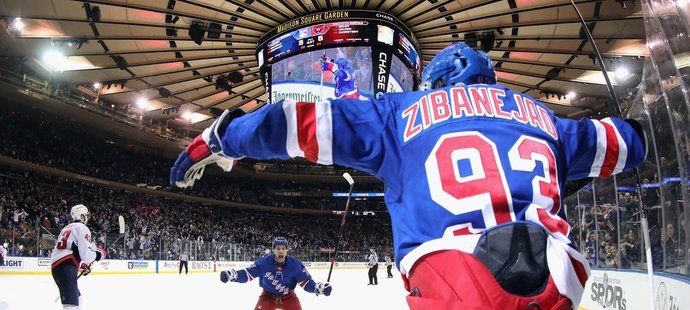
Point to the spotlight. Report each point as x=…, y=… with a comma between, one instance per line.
x=196, y=32
x=471, y=39
x=93, y=13
x=622, y=73
x=187, y=116
x=142, y=103
x=17, y=24
x=214, y=30
x=96, y=85
x=235, y=77
x=54, y=59
x=571, y=95
x=488, y=41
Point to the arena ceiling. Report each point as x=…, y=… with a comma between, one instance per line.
x=538, y=47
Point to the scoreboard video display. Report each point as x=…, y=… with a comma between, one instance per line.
x=381, y=54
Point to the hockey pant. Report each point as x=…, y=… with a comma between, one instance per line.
x=388, y=269
x=65, y=276
x=454, y=279
x=268, y=301
x=372, y=274
x=183, y=263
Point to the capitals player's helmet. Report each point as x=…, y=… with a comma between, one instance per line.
x=278, y=241
x=343, y=63
x=80, y=213
x=458, y=63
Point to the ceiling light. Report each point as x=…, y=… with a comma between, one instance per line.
x=571, y=95
x=55, y=59
x=17, y=24
x=142, y=103
x=96, y=85
x=187, y=116
x=622, y=73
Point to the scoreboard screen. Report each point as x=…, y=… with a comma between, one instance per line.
x=380, y=53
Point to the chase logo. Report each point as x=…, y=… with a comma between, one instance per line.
x=608, y=293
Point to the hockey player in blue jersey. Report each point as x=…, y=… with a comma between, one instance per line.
x=278, y=275
x=473, y=176
x=343, y=76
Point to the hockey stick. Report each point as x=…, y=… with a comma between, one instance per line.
x=350, y=181
x=636, y=174
x=321, y=84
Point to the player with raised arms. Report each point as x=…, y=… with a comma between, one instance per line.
x=73, y=251
x=278, y=275
x=473, y=176
x=343, y=76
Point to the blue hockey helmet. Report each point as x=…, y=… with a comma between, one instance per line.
x=458, y=63
x=343, y=63
x=278, y=241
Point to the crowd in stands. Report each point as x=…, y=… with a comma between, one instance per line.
x=35, y=206
x=596, y=229
x=47, y=140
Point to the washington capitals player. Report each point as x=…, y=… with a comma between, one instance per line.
x=278, y=275
x=344, y=76
x=3, y=253
x=473, y=177
x=73, y=251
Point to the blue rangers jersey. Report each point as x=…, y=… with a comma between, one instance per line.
x=278, y=280
x=455, y=161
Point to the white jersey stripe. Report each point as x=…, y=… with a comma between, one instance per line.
x=291, y=143
x=324, y=132
x=601, y=149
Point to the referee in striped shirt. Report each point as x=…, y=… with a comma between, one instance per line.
x=373, y=267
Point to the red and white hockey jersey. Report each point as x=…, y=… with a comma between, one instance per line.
x=74, y=245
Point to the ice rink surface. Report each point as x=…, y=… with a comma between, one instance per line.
x=197, y=291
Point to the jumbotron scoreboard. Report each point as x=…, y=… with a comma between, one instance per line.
x=381, y=51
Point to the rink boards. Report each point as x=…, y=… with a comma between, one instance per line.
x=33, y=265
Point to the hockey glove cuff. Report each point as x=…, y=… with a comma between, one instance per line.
x=203, y=150
x=323, y=289
x=228, y=275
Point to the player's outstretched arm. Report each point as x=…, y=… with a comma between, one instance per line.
x=309, y=285
x=601, y=148
x=344, y=131
x=240, y=276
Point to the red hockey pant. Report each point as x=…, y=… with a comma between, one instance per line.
x=457, y=280
x=268, y=301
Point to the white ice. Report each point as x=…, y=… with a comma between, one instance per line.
x=197, y=291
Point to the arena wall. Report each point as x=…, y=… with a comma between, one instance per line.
x=41, y=266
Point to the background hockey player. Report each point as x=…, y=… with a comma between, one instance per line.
x=278, y=275
x=73, y=252
x=343, y=76
x=3, y=253
x=473, y=177
x=373, y=265
x=389, y=267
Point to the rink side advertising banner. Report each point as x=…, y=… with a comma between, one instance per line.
x=381, y=53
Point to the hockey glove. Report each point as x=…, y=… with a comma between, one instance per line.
x=323, y=289
x=205, y=149
x=100, y=254
x=328, y=65
x=228, y=275
x=85, y=269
